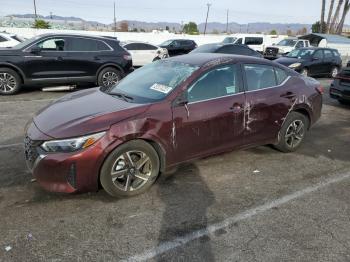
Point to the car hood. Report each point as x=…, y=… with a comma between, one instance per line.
x=287, y=61
x=85, y=112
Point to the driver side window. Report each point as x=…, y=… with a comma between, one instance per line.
x=55, y=44
x=219, y=82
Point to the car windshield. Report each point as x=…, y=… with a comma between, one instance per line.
x=210, y=48
x=26, y=42
x=287, y=42
x=168, y=42
x=154, y=81
x=229, y=40
x=301, y=53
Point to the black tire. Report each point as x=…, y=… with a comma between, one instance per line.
x=156, y=59
x=12, y=78
x=118, y=158
x=112, y=74
x=289, y=139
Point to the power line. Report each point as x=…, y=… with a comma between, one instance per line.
x=206, y=20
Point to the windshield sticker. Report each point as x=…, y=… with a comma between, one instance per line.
x=161, y=88
x=230, y=89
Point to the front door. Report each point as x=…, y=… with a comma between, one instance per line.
x=213, y=119
x=49, y=63
x=318, y=66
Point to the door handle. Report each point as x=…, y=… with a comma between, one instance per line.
x=288, y=95
x=236, y=108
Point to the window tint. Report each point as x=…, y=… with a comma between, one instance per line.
x=234, y=49
x=281, y=75
x=147, y=47
x=132, y=47
x=2, y=39
x=54, y=44
x=239, y=41
x=259, y=76
x=318, y=54
x=254, y=40
x=300, y=44
x=335, y=53
x=83, y=45
x=216, y=83
x=328, y=54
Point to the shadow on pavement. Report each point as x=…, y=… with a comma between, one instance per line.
x=186, y=198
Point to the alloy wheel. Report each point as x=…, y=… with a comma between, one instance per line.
x=334, y=72
x=305, y=72
x=295, y=133
x=131, y=170
x=110, y=78
x=7, y=82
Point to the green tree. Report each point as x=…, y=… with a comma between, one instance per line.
x=273, y=32
x=41, y=24
x=191, y=28
x=316, y=27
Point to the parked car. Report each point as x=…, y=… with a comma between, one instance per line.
x=9, y=40
x=232, y=49
x=179, y=46
x=166, y=113
x=340, y=87
x=313, y=61
x=284, y=47
x=63, y=59
x=258, y=42
x=144, y=53
x=348, y=64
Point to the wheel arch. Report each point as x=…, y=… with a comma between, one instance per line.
x=305, y=112
x=14, y=68
x=115, y=66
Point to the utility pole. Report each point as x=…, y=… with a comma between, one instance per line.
x=227, y=22
x=115, y=20
x=206, y=20
x=36, y=16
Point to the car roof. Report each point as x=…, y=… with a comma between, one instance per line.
x=201, y=59
x=80, y=35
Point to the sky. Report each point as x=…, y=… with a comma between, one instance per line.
x=240, y=11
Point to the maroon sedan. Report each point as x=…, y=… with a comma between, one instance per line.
x=164, y=114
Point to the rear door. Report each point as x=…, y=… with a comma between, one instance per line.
x=86, y=56
x=269, y=96
x=329, y=61
x=318, y=66
x=213, y=119
x=51, y=63
x=148, y=53
x=136, y=53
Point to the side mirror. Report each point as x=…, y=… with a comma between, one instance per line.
x=35, y=50
x=181, y=100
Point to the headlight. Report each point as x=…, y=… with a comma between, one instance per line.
x=295, y=65
x=72, y=144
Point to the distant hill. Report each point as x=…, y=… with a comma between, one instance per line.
x=211, y=27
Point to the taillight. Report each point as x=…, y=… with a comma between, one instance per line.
x=320, y=89
x=127, y=57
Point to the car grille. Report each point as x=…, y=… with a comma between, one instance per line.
x=30, y=151
x=271, y=51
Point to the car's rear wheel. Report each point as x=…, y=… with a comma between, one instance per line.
x=292, y=132
x=109, y=77
x=334, y=72
x=10, y=82
x=130, y=169
x=305, y=72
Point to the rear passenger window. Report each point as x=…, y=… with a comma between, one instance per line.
x=219, y=82
x=259, y=76
x=336, y=53
x=328, y=54
x=84, y=45
x=281, y=75
x=254, y=40
x=2, y=39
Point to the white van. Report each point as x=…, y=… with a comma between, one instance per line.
x=258, y=42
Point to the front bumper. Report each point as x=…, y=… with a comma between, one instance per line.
x=64, y=172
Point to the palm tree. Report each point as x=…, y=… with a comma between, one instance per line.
x=323, y=11
x=336, y=17
x=330, y=13
x=342, y=20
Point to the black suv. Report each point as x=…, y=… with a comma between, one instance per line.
x=179, y=46
x=53, y=59
x=233, y=49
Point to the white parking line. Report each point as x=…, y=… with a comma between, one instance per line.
x=178, y=242
x=10, y=145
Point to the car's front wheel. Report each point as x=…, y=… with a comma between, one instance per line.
x=334, y=72
x=10, y=82
x=109, y=77
x=130, y=169
x=305, y=72
x=292, y=132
